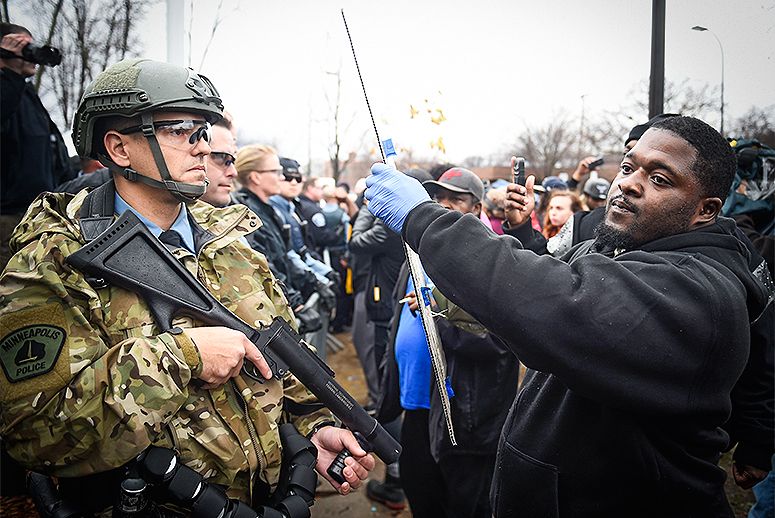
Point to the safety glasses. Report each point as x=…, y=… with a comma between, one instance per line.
x=177, y=133
x=222, y=159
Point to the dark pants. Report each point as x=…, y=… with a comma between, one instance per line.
x=420, y=475
x=458, y=486
x=381, y=330
x=467, y=479
x=12, y=476
x=363, y=340
x=344, y=302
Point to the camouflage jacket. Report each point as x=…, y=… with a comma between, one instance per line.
x=89, y=381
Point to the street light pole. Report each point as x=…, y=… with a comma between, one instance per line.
x=721, y=48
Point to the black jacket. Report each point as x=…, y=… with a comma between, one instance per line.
x=751, y=426
x=483, y=373
x=359, y=264
x=85, y=181
x=319, y=234
x=632, y=360
x=371, y=238
x=33, y=156
x=752, y=224
x=270, y=241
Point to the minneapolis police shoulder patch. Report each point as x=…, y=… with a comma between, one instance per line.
x=30, y=351
x=319, y=220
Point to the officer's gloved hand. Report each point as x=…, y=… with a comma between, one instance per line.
x=334, y=277
x=392, y=195
x=308, y=319
x=327, y=296
x=295, y=298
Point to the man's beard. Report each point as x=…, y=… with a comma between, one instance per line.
x=608, y=238
x=666, y=223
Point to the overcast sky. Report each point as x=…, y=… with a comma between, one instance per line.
x=493, y=67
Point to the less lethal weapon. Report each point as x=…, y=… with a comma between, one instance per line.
x=127, y=255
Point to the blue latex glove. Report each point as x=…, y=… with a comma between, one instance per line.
x=392, y=195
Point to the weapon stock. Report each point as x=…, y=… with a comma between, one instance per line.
x=129, y=256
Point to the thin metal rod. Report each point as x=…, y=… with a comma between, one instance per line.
x=415, y=269
x=363, y=86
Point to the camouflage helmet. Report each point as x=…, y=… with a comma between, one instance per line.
x=136, y=86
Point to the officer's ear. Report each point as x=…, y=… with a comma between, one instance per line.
x=116, y=146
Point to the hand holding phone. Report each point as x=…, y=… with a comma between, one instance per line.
x=518, y=169
x=595, y=163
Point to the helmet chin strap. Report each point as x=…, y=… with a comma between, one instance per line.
x=185, y=192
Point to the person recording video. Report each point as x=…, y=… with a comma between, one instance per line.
x=34, y=156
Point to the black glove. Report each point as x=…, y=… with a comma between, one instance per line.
x=294, y=296
x=334, y=277
x=308, y=319
x=327, y=296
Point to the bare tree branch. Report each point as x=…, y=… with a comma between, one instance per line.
x=51, y=29
x=91, y=34
x=190, y=31
x=336, y=146
x=84, y=50
x=124, y=46
x=548, y=147
x=756, y=123
x=216, y=22
x=112, y=22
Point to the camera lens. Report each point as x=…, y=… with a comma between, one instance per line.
x=43, y=55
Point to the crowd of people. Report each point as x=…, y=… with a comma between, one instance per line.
x=605, y=340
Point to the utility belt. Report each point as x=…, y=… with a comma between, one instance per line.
x=157, y=485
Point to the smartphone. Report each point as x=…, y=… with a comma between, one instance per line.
x=519, y=171
x=597, y=163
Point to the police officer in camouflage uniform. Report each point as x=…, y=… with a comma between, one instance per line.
x=88, y=379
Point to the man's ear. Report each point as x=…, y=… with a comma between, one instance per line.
x=115, y=145
x=707, y=211
x=477, y=210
